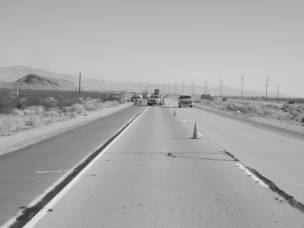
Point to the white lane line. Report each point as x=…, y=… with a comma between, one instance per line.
x=34, y=221
x=48, y=206
x=200, y=134
x=245, y=170
x=250, y=174
x=220, y=148
x=50, y=171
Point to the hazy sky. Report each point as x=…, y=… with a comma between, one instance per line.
x=160, y=41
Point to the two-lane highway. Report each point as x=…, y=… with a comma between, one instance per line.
x=154, y=175
x=26, y=173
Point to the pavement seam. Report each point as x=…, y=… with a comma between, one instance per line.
x=38, y=204
x=258, y=177
x=256, y=124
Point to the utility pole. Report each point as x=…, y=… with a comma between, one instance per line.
x=183, y=87
x=221, y=87
x=79, y=85
x=206, y=85
x=266, y=91
x=193, y=88
x=175, y=89
x=242, y=86
x=278, y=88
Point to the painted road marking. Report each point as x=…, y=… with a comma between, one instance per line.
x=200, y=134
x=250, y=174
x=35, y=219
x=50, y=171
x=52, y=203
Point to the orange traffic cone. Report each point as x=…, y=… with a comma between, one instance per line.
x=195, y=134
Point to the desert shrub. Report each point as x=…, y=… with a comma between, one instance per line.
x=49, y=102
x=207, y=97
x=52, y=113
x=38, y=110
x=80, y=100
x=7, y=104
x=291, y=101
x=18, y=112
x=32, y=121
x=35, y=108
x=50, y=98
x=238, y=107
x=77, y=108
x=90, y=104
x=10, y=123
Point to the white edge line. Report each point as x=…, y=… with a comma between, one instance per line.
x=201, y=134
x=250, y=174
x=33, y=221
x=247, y=171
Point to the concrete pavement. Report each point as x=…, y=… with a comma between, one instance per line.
x=136, y=184
x=275, y=156
x=26, y=173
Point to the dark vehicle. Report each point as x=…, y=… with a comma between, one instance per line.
x=136, y=99
x=185, y=100
x=156, y=91
x=154, y=100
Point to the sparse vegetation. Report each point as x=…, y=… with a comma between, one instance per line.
x=288, y=110
x=36, y=108
x=49, y=98
x=207, y=97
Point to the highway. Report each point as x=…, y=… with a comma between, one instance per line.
x=275, y=154
x=155, y=175
x=28, y=172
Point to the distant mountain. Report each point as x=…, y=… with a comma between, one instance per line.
x=9, y=76
x=13, y=73
x=69, y=82
x=33, y=81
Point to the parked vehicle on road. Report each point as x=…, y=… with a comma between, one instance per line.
x=185, y=101
x=154, y=100
x=137, y=99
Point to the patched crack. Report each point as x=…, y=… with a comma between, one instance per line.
x=272, y=186
x=231, y=155
x=290, y=199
